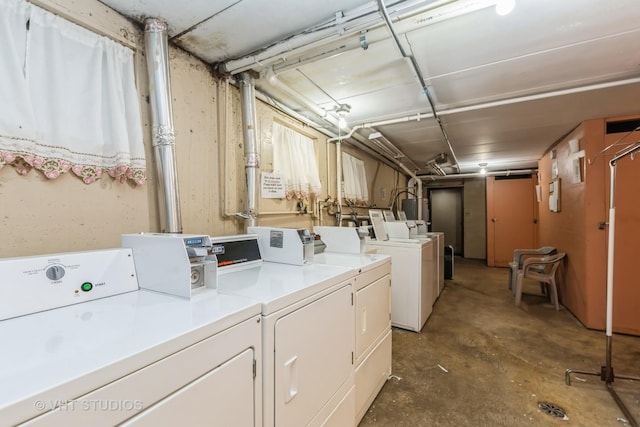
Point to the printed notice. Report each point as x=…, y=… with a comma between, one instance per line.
x=272, y=186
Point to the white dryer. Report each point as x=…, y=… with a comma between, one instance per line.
x=308, y=340
x=135, y=358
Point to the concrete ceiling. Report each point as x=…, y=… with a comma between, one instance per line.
x=504, y=88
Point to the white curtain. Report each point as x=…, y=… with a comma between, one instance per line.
x=17, y=121
x=294, y=157
x=354, y=179
x=81, y=97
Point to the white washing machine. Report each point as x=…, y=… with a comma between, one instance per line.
x=412, y=280
x=308, y=343
x=138, y=357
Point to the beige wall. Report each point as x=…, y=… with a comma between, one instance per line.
x=40, y=216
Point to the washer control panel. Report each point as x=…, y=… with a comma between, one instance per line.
x=44, y=282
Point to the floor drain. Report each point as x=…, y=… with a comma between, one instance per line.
x=552, y=409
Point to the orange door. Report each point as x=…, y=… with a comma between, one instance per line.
x=511, y=218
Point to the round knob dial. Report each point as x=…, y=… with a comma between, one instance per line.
x=195, y=276
x=55, y=272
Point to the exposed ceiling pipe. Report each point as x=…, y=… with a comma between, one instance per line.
x=329, y=119
x=423, y=84
x=407, y=20
x=344, y=23
x=416, y=117
x=396, y=152
x=162, y=131
x=537, y=96
x=478, y=174
x=252, y=159
x=296, y=115
x=362, y=143
x=509, y=101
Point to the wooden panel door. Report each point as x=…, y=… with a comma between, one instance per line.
x=511, y=218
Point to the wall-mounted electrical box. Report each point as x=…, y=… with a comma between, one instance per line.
x=554, y=195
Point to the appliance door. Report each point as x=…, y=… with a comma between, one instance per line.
x=313, y=357
x=224, y=397
x=428, y=281
x=373, y=309
x=209, y=382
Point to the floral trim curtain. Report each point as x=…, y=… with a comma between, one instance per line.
x=69, y=99
x=354, y=179
x=294, y=157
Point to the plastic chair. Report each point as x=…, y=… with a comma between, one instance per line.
x=519, y=255
x=542, y=270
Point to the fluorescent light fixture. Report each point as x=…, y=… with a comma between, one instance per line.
x=504, y=7
x=375, y=135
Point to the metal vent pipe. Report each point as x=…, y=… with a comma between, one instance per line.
x=252, y=159
x=163, y=138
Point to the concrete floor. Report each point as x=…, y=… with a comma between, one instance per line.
x=481, y=361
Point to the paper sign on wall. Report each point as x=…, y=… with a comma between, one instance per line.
x=272, y=186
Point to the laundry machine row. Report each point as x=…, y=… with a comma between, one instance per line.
x=246, y=342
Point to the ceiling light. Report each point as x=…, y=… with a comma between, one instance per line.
x=483, y=168
x=342, y=110
x=504, y=7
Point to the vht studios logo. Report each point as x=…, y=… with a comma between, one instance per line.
x=95, y=405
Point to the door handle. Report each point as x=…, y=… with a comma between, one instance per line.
x=493, y=220
x=364, y=321
x=290, y=379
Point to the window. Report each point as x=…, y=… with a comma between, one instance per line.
x=294, y=157
x=74, y=104
x=354, y=176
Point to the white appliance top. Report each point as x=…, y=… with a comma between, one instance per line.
x=277, y=285
x=417, y=242
x=107, y=338
x=358, y=262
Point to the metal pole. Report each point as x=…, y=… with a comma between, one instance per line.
x=606, y=372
